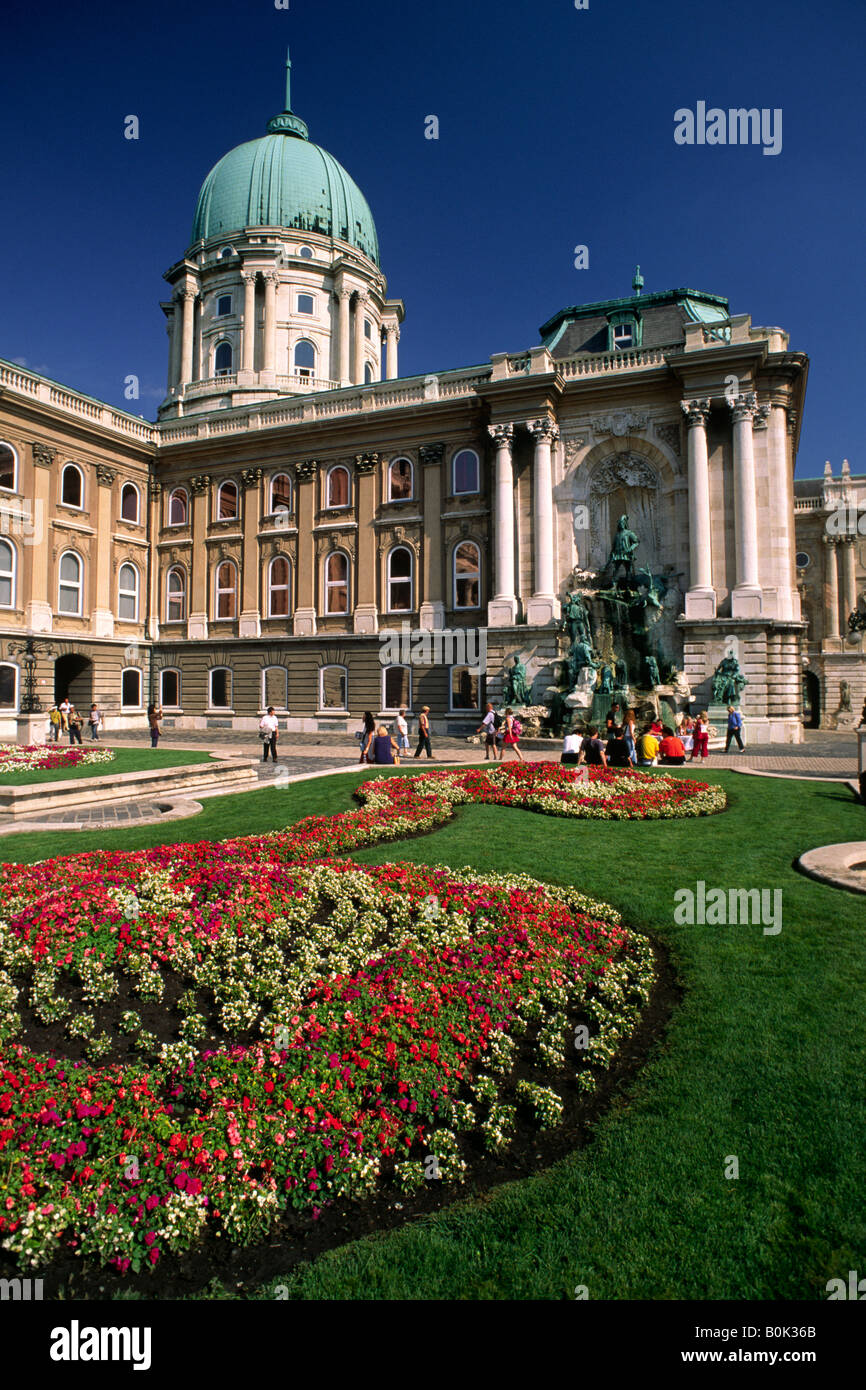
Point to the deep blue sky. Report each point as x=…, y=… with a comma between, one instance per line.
x=556, y=128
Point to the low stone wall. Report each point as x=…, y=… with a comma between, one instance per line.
x=235, y=774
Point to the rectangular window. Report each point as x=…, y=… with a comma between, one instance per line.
x=7, y=687
x=224, y=305
x=464, y=688
x=397, y=684
x=130, y=691
x=276, y=687
x=333, y=687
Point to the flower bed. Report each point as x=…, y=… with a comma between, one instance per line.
x=202, y=1037
x=557, y=790
x=41, y=756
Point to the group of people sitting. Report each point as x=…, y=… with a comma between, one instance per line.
x=622, y=745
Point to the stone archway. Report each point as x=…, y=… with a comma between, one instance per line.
x=73, y=680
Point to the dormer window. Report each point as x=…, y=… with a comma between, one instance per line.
x=624, y=332
x=226, y=253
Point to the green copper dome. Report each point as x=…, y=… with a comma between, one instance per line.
x=283, y=180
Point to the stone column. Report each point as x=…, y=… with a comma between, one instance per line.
x=345, y=296
x=849, y=584
x=392, y=338
x=306, y=481
x=176, y=353
x=249, y=624
x=154, y=579
x=248, y=360
x=358, y=358
x=187, y=331
x=746, y=596
x=197, y=623
x=502, y=608
x=431, y=614
x=102, y=583
x=782, y=547
x=543, y=607
x=831, y=590
x=269, y=356
x=171, y=328
x=38, y=604
x=366, y=613
x=701, y=597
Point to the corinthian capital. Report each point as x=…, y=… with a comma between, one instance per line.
x=249, y=276
x=43, y=454
x=502, y=436
x=744, y=406
x=696, y=412
x=200, y=483
x=544, y=430
x=105, y=475
x=270, y=277
x=432, y=453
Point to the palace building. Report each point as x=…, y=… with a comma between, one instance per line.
x=297, y=499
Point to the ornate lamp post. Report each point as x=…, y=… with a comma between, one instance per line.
x=29, y=651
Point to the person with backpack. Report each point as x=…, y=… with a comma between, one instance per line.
x=488, y=727
x=511, y=737
x=73, y=720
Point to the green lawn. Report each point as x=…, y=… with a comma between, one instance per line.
x=764, y=1059
x=125, y=760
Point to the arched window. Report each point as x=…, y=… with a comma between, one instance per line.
x=305, y=358
x=220, y=687
x=467, y=575
x=227, y=501
x=337, y=583
x=369, y=375
x=8, y=467
x=72, y=486
x=338, y=487
x=400, y=480
x=222, y=359
x=69, y=594
x=279, y=587
x=226, y=590
x=333, y=688
x=465, y=469
x=130, y=688
x=7, y=575
x=175, y=595
x=8, y=686
x=396, y=688
x=306, y=304
x=178, y=508
x=280, y=494
x=127, y=594
x=169, y=688
x=400, y=580
x=129, y=503
x=275, y=687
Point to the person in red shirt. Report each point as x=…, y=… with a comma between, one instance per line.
x=671, y=749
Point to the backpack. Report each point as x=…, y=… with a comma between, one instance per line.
x=516, y=727
x=497, y=720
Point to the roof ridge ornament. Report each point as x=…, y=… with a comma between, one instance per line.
x=287, y=123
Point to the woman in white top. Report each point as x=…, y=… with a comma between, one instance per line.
x=269, y=732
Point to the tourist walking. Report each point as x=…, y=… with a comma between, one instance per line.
x=424, y=733
x=94, y=719
x=735, y=728
x=366, y=734
x=64, y=708
x=54, y=720
x=700, y=737
x=73, y=720
x=269, y=732
x=488, y=728
x=154, y=715
x=402, y=731
x=511, y=736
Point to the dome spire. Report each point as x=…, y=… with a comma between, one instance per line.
x=288, y=123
